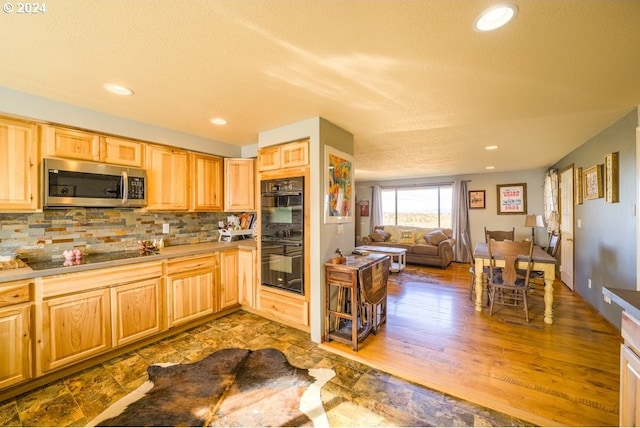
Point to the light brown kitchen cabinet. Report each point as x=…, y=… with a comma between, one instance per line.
x=75, y=144
x=239, y=185
x=192, y=283
x=228, y=278
x=120, y=151
x=15, y=332
x=206, y=182
x=167, y=177
x=70, y=143
x=81, y=310
x=136, y=310
x=286, y=308
x=247, y=277
x=75, y=327
x=19, y=165
x=630, y=372
x=286, y=155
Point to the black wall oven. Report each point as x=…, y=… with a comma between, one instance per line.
x=282, y=233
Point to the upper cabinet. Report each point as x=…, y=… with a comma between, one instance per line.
x=82, y=145
x=287, y=155
x=206, y=182
x=18, y=162
x=168, y=175
x=239, y=185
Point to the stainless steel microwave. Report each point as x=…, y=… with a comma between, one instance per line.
x=70, y=183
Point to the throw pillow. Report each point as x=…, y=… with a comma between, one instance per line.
x=435, y=237
x=376, y=236
x=406, y=237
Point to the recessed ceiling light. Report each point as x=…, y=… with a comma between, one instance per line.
x=491, y=148
x=495, y=17
x=218, y=121
x=489, y=167
x=118, y=89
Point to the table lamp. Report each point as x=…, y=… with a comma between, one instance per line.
x=533, y=221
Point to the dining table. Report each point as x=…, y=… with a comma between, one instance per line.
x=541, y=261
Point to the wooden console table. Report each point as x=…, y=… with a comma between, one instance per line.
x=349, y=317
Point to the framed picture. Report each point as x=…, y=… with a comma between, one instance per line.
x=512, y=198
x=364, y=208
x=577, y=185
x=476, y=199
x=592, y=182
x=611, y=193
x=339, y=201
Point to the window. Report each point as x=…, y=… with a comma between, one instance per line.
x=424, y=206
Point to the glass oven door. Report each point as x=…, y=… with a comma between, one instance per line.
x=282, y=265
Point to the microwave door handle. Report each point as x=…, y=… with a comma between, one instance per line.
x=125, y=187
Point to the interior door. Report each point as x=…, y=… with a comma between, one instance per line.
x=566, y=227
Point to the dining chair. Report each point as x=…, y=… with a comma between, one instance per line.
x=552, y=250
x=507, y=287
x=500, y=235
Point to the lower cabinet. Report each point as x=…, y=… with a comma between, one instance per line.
x=136, y=311
x=288, y=309
x=192, y=284
x=15, y=343
x=630, y=372
x=247, y=277
x=228, y=278
x=75, y=327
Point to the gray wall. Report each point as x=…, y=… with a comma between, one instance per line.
x=605, y=245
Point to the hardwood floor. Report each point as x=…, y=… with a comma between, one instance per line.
x=566, y=373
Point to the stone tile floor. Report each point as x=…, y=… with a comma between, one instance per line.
x=357, y=396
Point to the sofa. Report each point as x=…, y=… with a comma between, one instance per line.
x=425, y=246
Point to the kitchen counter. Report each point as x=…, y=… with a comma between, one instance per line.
x=629, y=300
x=164, y=253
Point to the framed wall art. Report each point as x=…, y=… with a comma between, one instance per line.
x=364, y=208
x=577, y=185
x=339, y=198
x=592, y=182
x=611, y=193
x=476, y=199
x=512, y=198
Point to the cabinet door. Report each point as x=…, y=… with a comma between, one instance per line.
x=206, y=182
x=75, y=327
x=295, y=154
x=246, y=277
x=18, y=163
x=15, y=342
x=269, y=158
x=239, y=185
x=119, y=151
x=71, y=143
x=629, y=388
x=167, y=176
x=228, y=279
x=191, y=295
x=135, y=311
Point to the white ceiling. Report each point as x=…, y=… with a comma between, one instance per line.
x=412, y=81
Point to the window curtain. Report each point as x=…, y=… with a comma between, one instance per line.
x=460, y=220
x=551, y=203
x=376, y=208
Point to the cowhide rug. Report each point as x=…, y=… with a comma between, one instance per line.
x=231, y=387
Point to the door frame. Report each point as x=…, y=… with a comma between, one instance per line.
x=571, y=168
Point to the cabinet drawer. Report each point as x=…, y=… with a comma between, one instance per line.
x=187, y=263
x=631, y=332
x=74, y=282
x=341, y=277
x=15, y=292
x=285, y=308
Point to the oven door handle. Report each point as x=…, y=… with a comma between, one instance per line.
x=288, y=243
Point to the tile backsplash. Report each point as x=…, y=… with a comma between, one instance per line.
x=45, y=235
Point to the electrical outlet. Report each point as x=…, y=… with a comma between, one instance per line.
x=589, y=283
x=165, y=227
